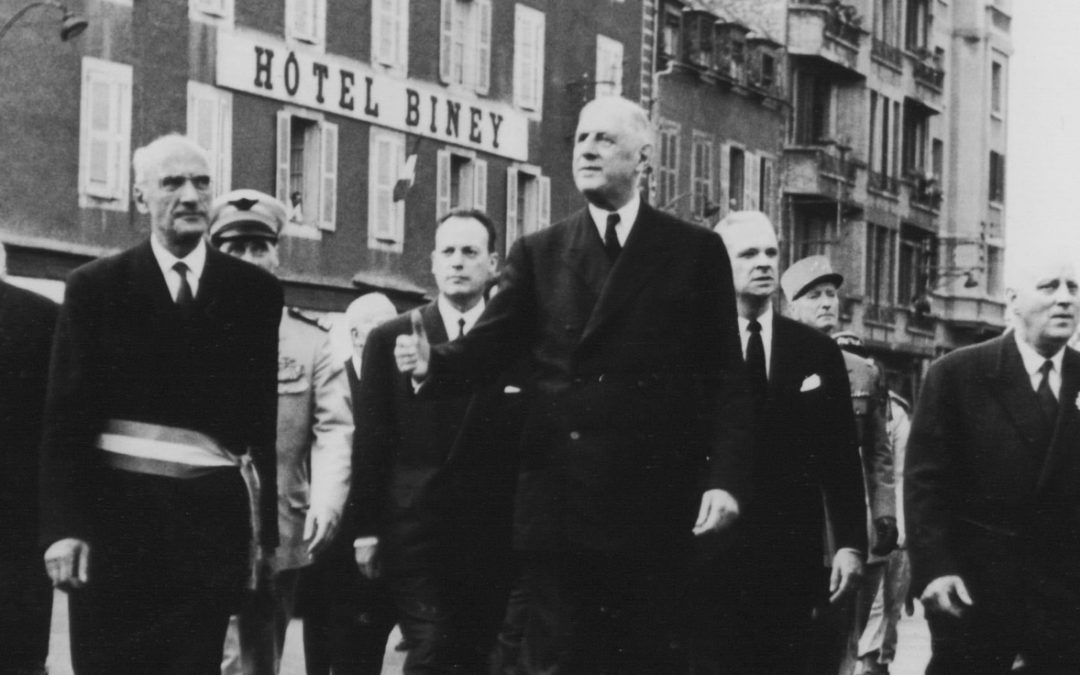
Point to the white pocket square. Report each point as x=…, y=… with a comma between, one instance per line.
x=511, y=389
x=811, y=383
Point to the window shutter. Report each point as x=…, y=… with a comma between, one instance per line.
x=512, y=229
x=381, y=188
x=751, y=180
x=442, y=192
x=223, y=180
x=209, y=123
x=766, y=189
x=725, y=179
x=106, y=123
x=284, y=142
x=545, y=201
x=483, y=45
x=402, y=32
x=522, y=59
x=480, y=184
x=318, y=20
x=328, y=176
x=446, y=41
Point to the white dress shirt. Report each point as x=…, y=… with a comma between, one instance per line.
x=195, y=261
x=1033, y=362
x=450, y=316
x=766, y=321
x=627, y=216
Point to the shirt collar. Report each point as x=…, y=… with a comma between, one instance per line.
x=1033, y=360
x=450, y=316
x=195, y=260
x=627, y=215
x=766, y=321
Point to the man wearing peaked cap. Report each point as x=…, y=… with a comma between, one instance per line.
x=811, y=286
x=314, y=430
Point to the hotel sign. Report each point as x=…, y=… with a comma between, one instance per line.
x=264, y=66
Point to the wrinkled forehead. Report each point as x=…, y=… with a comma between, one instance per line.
x=611, y=115
x=176, y=159
x=1032, y=272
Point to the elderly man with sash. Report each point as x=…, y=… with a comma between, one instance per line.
x=159, y=433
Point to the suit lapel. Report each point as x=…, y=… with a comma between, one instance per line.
x=147, y=287
x=584, y=254
x=642, y=257
x=1013, y=388
x=1066, y=428
x=433, y=323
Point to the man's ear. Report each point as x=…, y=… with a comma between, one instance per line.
x=140, y=200
x=646, y=155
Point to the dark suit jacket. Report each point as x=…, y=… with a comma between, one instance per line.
x=986, y=480
x=639, y=401
x=431, y=476
x=26, y=327
x=805, y=447
x=124, y=350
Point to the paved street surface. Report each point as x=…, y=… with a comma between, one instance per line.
x=914, y=647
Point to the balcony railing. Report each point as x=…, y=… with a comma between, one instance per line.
x=839, y=28
x=921, y=321
x=929, y=75
x=926, y=198
x=836, y=166
x=879, y=314
x=886, y=52
x=883, y=183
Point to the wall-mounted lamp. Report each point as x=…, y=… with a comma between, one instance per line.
x=71, y=25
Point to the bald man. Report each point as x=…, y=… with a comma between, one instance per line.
x=991, y=496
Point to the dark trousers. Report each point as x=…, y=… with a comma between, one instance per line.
x=601, y=613
x=25, y=609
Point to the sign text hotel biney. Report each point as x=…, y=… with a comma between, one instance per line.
x=264, y=66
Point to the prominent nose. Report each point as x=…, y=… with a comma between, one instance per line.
x=1064, y=294
x=586, y=146
x=188, y=193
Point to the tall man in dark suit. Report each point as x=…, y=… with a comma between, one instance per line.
x=26, y=327
x=160, y=421
x=992, y=487
x=767, y=581
x=637, y=434
x=441, y=545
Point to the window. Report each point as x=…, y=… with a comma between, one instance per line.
x=528, y=57
x=390, y=34
x=700, y=26
x=701, y=174
x=917, y=29
x=997, y=177
x=916, y=140
x=997, y=89
x=465, y=45
x=218, y=12
x=670, y=35
x=995, y=272
x=209, y=123
x=305, y=21
x=461, y=182
x=609, y=57
x=918, y=255
x=528, y=202
x=816, y=232
x=105, y=135
x=667, y=174
x=386, y=165
x=880, y=258
x=812, y=109
x=766, y=191
x=307, y=172
x=885, y=22
x=884, y=139
x=736, y=182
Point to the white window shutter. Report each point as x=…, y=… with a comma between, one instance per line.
x=482, y=12
x=512, y=230
x=446, y=40
x=328, y=176
x=319, y=20
x=402, y=32
x=105, y=130
x=223, y=180
x=752, y=180
x=442, y=191
x=284, y=145
x=522, y=58
x=545, y=201
x=725, y=179
x=480, y=184
x=381, y=177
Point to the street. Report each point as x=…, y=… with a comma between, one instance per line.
x=913, y=651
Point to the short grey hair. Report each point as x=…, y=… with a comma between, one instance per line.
x=149, y=156
x=739, y=217
x=371, y=304
x=636, y=117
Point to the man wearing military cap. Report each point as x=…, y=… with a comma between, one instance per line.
x=314, y=436
x=810, y=286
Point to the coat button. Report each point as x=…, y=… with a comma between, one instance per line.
x=575, y=435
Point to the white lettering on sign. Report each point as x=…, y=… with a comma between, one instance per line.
x=265, y=66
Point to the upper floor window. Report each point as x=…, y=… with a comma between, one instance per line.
x=812, y=109
x=997, y=177
x=390, y=34
x=670, y=34
x=702, y=174
x=105, y=134
x=766, y=201
x=667, y=169
x=880, y=264
x=528, y=57
x=609, y=70
x=461, y=181
x=209, y=123
x=307, y=151
x=997, y=88
x=528, y=202
x=465, y=44
x=386, y=211
x=219, y=12
x=917, y=29
x=736, y=178
x=305, y=21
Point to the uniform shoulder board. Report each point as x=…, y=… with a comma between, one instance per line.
x=310, y=320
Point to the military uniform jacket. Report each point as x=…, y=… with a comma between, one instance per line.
x=124, y=350
x=639, y=400
x=314, y=432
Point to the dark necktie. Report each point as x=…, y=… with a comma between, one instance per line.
x=461, y=326
x=611, y=239
x=755, y=360
x=184, y=297
x=1047, y=401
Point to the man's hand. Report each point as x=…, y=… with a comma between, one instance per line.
x=948, y=595
x=847, y=570
x=718, y=510
x=367, y=556
x=886, y=535
x=320, y=527
x=413, y=352
x=67, y=562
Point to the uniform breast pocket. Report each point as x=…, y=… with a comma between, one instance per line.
x=292, y=377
